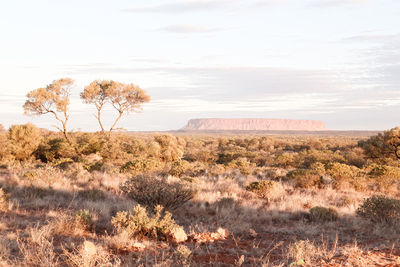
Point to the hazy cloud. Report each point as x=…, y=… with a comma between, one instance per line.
x=372, y=38
x=182, y=6
x=185, y=28
x=334, y=3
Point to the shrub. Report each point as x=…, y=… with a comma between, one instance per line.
x=171, y=147
x=140, y=165
x=84, y=219
x=301, y=252
x=343, y=174
x=179, y=168
x=54, y=149
x=243, y=164
x=380, y=209
x=262, y=189
x=323, y=214
x=3, y=200
x=152, y=191
x=304, y=178
x=139, y=223
x=24, y=140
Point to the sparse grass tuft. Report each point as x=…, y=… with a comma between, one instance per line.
x=319, y=214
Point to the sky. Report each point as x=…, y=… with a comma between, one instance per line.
x=332, y=60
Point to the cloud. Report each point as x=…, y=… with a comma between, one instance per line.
x=182, y=6
x=185, y=28
x=372, y=38
x=335, y=3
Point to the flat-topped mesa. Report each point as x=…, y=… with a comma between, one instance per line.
x=255, y=125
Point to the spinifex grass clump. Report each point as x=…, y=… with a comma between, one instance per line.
x=323, y=214
x=139, y=223
x=380, y=209
x=152, y=191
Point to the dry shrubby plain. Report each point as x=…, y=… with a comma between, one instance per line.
x=186, y=199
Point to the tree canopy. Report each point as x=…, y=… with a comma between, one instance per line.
x=124, y=98
x=54, y=99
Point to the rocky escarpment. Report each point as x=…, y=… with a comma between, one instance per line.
x=254, y=125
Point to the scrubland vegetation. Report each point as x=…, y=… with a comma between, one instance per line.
x=190, y=200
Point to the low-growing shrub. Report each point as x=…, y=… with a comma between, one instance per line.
x=3, y=200
x=139, y=223
x=243, y=164
x=152, y=191
x=24, y=140
x=262, y=188
x=84, y=219
x=140, y=165
x=323, y=214
x=380, y=209
x=301, y=252
x=303, y=178
x=179, y=168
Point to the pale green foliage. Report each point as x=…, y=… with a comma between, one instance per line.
x=152, y=191
x=139, y=223
x=24, y=140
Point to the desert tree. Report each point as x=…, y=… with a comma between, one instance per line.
x=54, y=99
x=124, y=98
x=96, y=93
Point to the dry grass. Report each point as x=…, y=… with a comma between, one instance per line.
x=53, y=216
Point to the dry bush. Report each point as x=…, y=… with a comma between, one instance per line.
x=304, y=178
x=152, y=191
x=52, y=149
x=38, y=250
x=83, y=219
x=140, y=165
x=380, y=209
x=179, y=168
x=3, y=200
x=243, y=164
x=343, y=175
x=139, y=223
x=171, y=148
x=301, y=253
x=265, y=189
x=322, y=214
x=24, y=140
x=90, y=255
